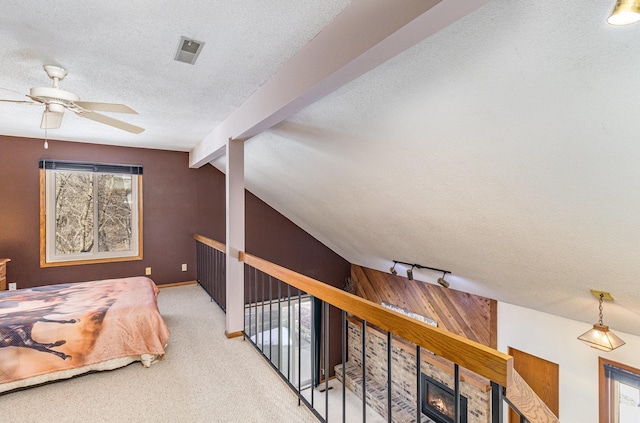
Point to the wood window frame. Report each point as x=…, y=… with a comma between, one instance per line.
x=605, y=386
x=43, y=229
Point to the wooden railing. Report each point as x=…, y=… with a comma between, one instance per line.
x=210, y=242
x=478, y=358
x=526, y=403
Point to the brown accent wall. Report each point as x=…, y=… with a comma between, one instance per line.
x=178, y=202
x=468, y=315
x=271, y=236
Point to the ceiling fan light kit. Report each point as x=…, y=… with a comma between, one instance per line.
x=56, y=101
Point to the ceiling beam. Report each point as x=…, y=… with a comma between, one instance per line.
x=364, y=35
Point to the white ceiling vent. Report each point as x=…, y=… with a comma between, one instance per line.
x=188, y=50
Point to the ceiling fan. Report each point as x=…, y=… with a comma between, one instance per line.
x=56, y=101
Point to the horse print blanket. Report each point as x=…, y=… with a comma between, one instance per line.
x=54, y=329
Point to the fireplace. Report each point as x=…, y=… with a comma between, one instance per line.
x=438, y=402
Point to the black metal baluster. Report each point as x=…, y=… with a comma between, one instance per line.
x=279, y=325
x=223, y=280
x=247, y=329
x=456, y=392
x=389, y=377
x=255, y=306
x=198, y=261
x=299, y=343
x=496, y=403
x=289, y=343
x=270, y=318
x=313, y=348
x=364, y=371
x=215, y=285
x=326, y=361
x=262, y=311
x=344, y=366
x=211, y=272
x=215, y=268
x=418, y=385
x=218, y=280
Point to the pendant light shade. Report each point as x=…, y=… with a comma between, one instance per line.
x=600, y=337
x=625, y=12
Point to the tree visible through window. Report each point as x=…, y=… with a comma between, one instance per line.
x=91, y=215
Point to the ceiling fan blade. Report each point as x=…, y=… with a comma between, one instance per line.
x=51, y=120
x=10, y=90
x=105, y=107
x=17, y=101
x=111, y=122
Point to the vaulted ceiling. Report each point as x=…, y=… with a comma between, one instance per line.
x=502, y=148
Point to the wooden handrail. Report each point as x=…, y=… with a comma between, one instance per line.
x=524, y=400
x=210, y=242
x=471, y=355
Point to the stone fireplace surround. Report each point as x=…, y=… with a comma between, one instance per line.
x=475, y=388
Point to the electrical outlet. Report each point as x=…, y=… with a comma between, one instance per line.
x=13, y=286
x=147, y=271
x=184, y=267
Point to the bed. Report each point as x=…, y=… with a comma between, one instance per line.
x=60, y=331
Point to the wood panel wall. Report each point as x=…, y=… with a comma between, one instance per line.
x=468, y=315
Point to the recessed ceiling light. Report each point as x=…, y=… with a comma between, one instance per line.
x=188, y=50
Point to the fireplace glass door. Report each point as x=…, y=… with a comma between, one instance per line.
x=438, y=402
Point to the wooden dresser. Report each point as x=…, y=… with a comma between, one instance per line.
x=3, y=273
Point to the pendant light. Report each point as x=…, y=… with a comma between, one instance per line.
x=600, y=337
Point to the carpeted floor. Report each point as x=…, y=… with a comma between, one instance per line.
x=204, y=377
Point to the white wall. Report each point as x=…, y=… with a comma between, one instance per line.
x=555, y=339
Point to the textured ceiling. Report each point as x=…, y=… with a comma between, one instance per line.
x=503, y=148
x=122, y=52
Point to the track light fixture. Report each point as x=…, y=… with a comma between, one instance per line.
x=600, y=337
x=441, y=280
x=625, y=12
x=410, y=273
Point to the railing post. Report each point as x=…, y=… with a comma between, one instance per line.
x=235, y=228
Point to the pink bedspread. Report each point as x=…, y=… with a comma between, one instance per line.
x=59, y=327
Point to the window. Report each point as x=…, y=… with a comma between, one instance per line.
x=89, y=213
x=619, y=393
